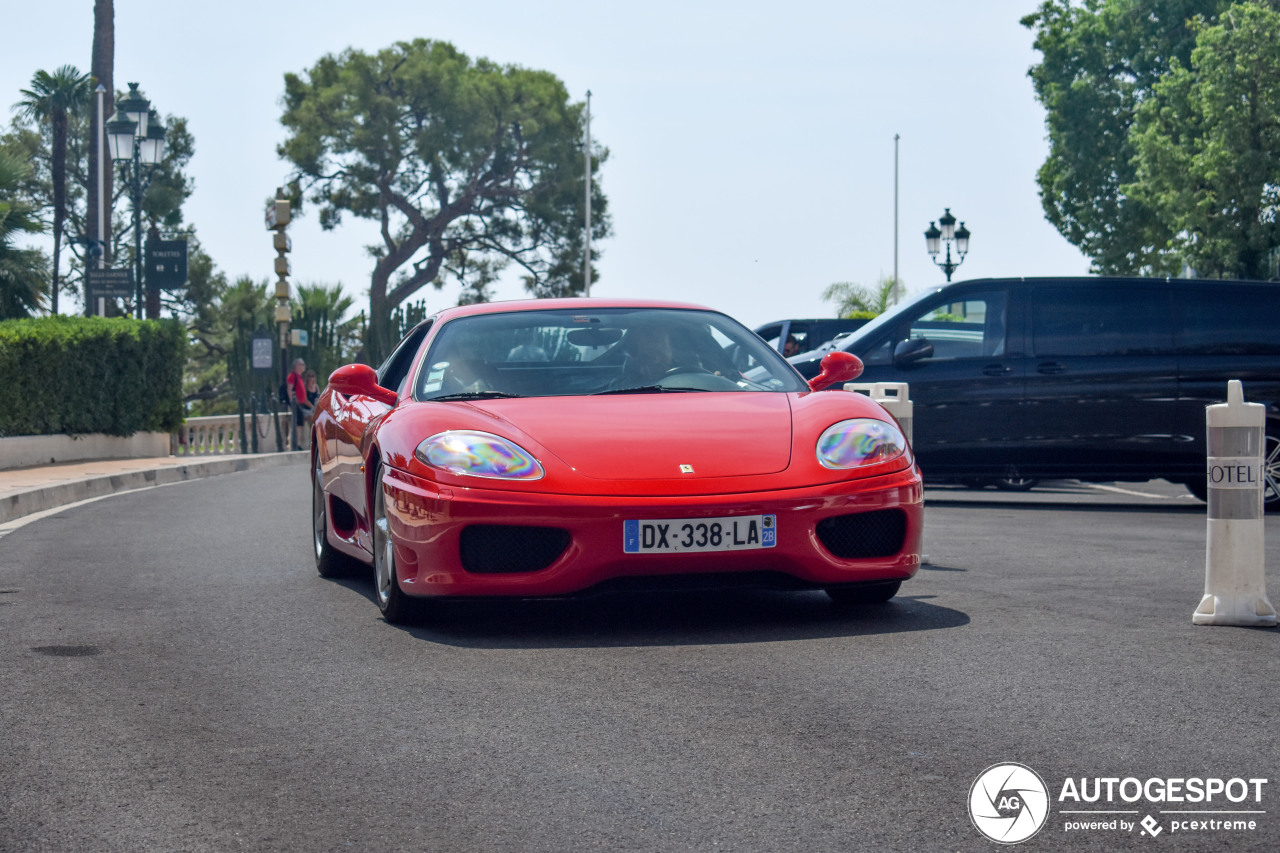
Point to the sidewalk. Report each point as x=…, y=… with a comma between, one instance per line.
x=24, y=491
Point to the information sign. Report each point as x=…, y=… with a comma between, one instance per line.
x=109, y=282
x=263, y=353
x=166, y=264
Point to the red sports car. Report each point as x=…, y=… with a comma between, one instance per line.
x=543, y=448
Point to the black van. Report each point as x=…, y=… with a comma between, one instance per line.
x=1095, y=379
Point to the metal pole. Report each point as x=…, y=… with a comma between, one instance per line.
x=897, y=295
x=137, y=227
x=102, y=202
x=586, y=263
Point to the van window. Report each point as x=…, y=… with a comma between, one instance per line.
x=973, y=327
x=1115, y=320
x=1229, y=320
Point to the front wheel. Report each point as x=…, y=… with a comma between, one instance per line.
x=870, y=593
x=396, y=607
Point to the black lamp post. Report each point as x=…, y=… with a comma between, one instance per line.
x=948, y=234
x=136, y=136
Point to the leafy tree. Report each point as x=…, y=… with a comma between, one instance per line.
x=466, y=166
x=333, y=337
x=51, y=98
x=1207, y=146
x=162, y=205
x=1101, y=60
x=246, y=306
x=22, y=271
x=857, y=301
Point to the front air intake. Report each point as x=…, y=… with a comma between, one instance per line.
x=860, y=535
x=492, y=549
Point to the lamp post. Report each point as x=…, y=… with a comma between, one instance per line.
x=136, y=136
x=948, y=234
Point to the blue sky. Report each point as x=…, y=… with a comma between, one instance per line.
x=751, y=144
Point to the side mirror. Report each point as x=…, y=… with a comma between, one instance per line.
x=837, y=367
x=361, y=380
x=908, y=352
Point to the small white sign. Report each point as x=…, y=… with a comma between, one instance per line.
x=1235, y=472
x=262, y=354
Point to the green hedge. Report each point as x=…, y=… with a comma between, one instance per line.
x=80, y=375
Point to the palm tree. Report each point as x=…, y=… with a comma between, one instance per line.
x=51, y=98
x=22, y=271
x=332, y=339
x=855, y=300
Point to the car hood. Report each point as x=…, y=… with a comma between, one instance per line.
x=651, y=436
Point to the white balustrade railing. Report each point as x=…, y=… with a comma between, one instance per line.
x=220, y=434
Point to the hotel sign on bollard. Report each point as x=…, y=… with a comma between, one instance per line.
x=1235, y=583
x=894, y=397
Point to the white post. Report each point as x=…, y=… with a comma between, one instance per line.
x=1235, y=582
x=894, y=398
x=897, y=294
x=102, y=191
x=586, y=263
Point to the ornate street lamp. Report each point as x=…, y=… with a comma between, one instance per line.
x=947, y=234
x=136, y=136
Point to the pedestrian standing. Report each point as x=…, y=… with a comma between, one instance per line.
x=297, y=388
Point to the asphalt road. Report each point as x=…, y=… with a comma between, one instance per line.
x=175, y=676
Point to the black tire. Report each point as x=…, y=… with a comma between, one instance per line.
x=330, y=562
x=1014, y=482
x=871, y=593
x=396, y=607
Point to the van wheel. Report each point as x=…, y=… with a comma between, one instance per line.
x=1271, y=472
x=1016, y=484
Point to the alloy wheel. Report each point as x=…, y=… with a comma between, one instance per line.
x=1271, y=472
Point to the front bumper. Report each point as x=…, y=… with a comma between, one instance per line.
x=427, y=524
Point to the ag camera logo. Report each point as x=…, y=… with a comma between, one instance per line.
x=1008, y=803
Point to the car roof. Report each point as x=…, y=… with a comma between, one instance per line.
x=562, y=304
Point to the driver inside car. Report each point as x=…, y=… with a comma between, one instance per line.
x=651, y=355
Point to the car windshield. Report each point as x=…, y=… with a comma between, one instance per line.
x=556, y=353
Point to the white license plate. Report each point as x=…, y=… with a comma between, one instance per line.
x=682, y=535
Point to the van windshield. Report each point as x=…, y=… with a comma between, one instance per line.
x=885, y=319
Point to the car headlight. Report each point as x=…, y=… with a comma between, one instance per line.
x=478, y=454
x=860, y=441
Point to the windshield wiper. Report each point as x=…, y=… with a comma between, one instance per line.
x=475, y=395
x=645, y=389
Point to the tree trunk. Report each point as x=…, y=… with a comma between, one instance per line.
x=102, y=67
x=59, y=174
x=377, y=343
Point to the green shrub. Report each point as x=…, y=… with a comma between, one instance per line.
x=80, y=375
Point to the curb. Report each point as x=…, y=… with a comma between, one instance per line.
x=17, y=505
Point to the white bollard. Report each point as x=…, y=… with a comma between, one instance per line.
x=892, y=396
x=1235, y=582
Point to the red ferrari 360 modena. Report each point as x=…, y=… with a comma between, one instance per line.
x=544, y=448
